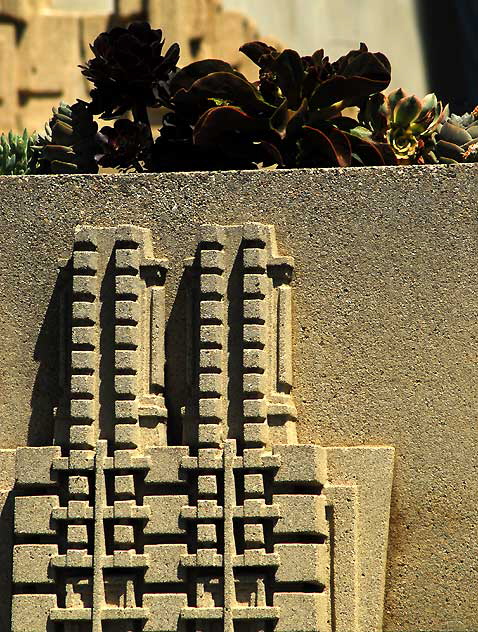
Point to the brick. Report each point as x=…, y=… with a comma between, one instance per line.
x=30, y=613
x=303, y=563
x=300, y=513
x=207, y=486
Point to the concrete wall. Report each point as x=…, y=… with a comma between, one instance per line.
x=386, y=334
x=338, y=26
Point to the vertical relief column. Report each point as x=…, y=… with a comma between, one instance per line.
x=140, y=412
x=212, y=338
x=281, y=410
x=269, y=410
x=128, y=308
x=85, y=338
x=116, y=410
x=257, y=293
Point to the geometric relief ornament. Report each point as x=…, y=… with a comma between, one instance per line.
x=237, y=527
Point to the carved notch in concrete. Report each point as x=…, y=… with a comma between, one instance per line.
x=239, y=528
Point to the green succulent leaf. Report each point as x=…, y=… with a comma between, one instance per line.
x=394, y=98
x=17, y=153
x=455, y=134
x=449, y=152
x=69, y=143
x=473, y=131
x=406, y=111
x=429, y=103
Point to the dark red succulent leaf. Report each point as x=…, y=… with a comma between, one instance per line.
x=388, y=155
x=232, y=131
x=259, y=52
x=217, y=122
x=129, y=69
x=281, y=117
x=374, y=114
x=366, y=150
x=367, y=153
x=352, y=77
x=327, y=147
x=266, y=58
x=187, y=76
x=289, y=70
x=362, y=62
x=221, y=88
x=370, y=78
x=281, y=73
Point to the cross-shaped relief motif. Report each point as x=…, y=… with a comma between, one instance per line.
x=219, y=521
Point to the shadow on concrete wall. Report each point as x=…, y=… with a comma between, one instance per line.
x=449, y=33
x=178, y=383
x=47, y=387
x=6, y=556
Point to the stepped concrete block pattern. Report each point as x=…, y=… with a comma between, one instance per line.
x=383, y=295
x=238, y=518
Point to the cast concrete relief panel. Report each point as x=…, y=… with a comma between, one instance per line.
x=219, y=521
x=175, y=329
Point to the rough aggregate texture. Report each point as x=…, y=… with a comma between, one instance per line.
x=385, y=331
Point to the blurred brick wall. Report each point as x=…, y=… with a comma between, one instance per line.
x=42, y=43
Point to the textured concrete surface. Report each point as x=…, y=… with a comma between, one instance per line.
x=385, y=341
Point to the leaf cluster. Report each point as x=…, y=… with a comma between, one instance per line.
x=17, y=154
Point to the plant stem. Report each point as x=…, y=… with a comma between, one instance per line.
x=140, y=115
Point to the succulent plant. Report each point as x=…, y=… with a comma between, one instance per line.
x=311, y=92
x=215, y=118
x=124, y=146
x=17, y=154
x=291, y=117
x=325, y=85
x=407, y=123
x=218, y=118
x=129, y=71
x=69, y=143
x=457, y=139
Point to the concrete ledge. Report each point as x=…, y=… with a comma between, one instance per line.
x=385, y=331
